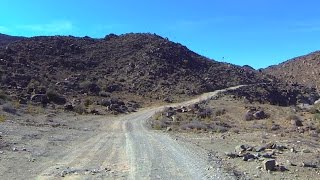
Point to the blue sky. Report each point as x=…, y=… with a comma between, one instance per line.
x=254, y=32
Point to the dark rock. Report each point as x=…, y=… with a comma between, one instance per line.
x=270, y=165
x=248, y=156
x=267, y=155
x=68, y=107
x=113, y=87
x=39, y=98
x=281, y=168
x=308, y=164
x=275, y=127
x=167, y=100
x=260, y=115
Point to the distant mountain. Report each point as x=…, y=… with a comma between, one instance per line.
x=142, y=67
x=6, y=39
x=302, y=70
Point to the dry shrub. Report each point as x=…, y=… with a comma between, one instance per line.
x=9, y=108
x=80, y=109
x=2, y=118
x=194, y=125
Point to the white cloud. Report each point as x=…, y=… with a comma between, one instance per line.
x=57, y=27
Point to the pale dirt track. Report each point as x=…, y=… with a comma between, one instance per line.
x=124, y=148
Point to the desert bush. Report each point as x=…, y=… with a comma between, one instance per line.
x=248, y=116
x=9, y=108
x=55, y=97
x=34, y=109
x=194, y=125
x=87, y=102
x=2, y=118
x=104, y=94
x=3, y=96
x=316, y=117
x=158, y=125
x=157, y=116
x=293, y=117
x=205, y=113
x=80, y=109
x=90, y=87
x=220, y=112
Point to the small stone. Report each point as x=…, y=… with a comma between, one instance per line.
x=260, y=149
x=169, y=129
x=306, y=151
x=231, y=155
x=270, y=165
x=305, y=164
x=256, y=176
x=267, y=155
x=293, y=150
x=24, y=149
x=282, y=168
x=248, y=156
x=14, y=149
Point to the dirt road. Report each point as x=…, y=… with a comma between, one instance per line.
x=123, y=148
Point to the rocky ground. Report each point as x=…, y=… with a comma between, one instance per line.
x=225, y=137
x=253, y=140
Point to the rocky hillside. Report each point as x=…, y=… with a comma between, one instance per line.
x=130, y=65
x=6, y=39
x=304, y=70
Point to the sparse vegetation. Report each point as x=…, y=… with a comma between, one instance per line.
x=9, y=108
x=80, y=109
x=3, y=118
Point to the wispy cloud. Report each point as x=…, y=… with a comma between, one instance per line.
x=4, y=29
x=306, y=26
x=57, y=27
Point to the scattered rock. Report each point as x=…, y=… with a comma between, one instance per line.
x=248, y=156
x=270, y=165
x=259, y=115
x=231, y=155
x=267, y=155
x=296, y=122
x=68, y=107
x=306, y=151
x=307, y=164
x=293, y=150
x=240, y=148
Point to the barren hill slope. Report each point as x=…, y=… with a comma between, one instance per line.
x=6, y=39
x=130, y=65
x=303, y=70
